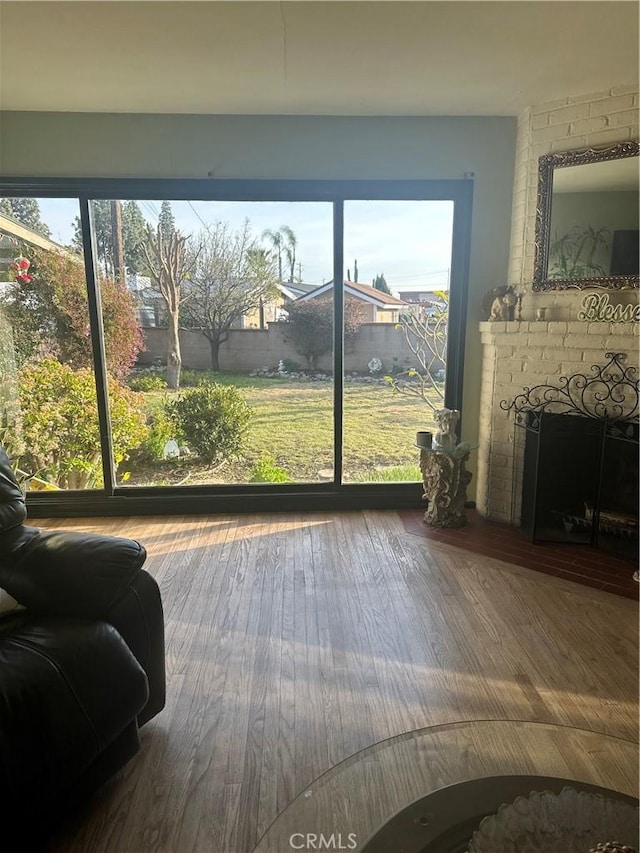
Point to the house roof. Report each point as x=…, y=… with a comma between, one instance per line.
x=12, y=228
x=295, y=289
x=360, y=291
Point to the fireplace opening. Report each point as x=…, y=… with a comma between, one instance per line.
x=579, y=481
x=576, y=458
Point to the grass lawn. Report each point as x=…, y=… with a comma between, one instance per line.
x=293, y=423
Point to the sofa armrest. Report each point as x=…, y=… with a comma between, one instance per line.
x=138, y=618
x=67, y=573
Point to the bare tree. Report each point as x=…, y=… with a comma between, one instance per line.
x=170, y=265
x=425, y=332
x=232, y=277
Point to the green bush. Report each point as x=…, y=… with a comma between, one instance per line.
x=196, y=378
x=146, y=382
x=160, y=430
x=59, y=421
x=212, y=419
x=267, y=471
x=291, y=366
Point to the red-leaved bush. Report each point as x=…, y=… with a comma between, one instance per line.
x=49, y=315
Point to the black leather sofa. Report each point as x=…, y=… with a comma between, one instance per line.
x=81, y=666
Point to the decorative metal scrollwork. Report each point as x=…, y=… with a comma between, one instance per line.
x=610, y=393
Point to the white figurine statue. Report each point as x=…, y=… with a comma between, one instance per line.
x=445, y=437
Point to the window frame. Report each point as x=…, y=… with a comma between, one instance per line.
x=136, y=500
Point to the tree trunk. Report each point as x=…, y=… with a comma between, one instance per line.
x=174, y=360
x=214, y=346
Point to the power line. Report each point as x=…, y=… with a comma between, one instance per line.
x=198, y=215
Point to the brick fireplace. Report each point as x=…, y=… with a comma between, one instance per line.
x=519, y=354
x=530, y=352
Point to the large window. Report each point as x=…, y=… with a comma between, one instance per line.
x=231, y=343
x=48, y=404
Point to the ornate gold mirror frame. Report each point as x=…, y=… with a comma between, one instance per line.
x=548, y=163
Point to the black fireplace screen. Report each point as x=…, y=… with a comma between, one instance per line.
x=580, y=481
x=576, y=459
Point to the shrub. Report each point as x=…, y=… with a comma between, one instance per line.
x=310, y=326
x=289, y=365
x=146, y=382
x=267, y=471
x=59, y=420
x=212, y=419
x=50, y=315
x=160, y=430
x=195, y=378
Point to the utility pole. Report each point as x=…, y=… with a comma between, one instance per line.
x=116, y=237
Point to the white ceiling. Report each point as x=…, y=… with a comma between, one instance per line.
x=341, y=58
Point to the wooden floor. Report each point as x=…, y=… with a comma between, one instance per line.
x=295, y=641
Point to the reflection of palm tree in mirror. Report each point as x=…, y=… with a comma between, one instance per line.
x=573, y=255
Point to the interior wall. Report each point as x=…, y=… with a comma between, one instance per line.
x=125, y=145
x=587, y=121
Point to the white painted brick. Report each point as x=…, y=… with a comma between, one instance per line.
x=557, y=328
x=576, y=342
x=598, y=328
x=552, y=134
x=589, y=125
x=568, y=368
x=502, y=447
x=619, y=342
x=555, y=355
x=623, y=89
x=570, y=113
x=591, y=96
x=500, y=460
x=548, y=106
x=531, y=353
x=538, y=340
x=612, y=135
x=611, y=105
x=539, y=121
x=623, y=119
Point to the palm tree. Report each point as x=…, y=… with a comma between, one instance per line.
x=283, y=241
x=290, y=249
x=275, y=238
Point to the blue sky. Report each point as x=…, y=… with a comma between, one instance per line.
x=408, y=241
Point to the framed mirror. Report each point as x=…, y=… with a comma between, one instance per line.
x=587, y=219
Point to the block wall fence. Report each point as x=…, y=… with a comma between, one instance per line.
x=251, y=349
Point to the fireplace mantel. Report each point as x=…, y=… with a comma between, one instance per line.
x=526, y=353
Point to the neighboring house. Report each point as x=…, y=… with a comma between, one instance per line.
x=379, y=307
x=421, y=296
x=275, y=309
x=422, y=302
x=149, y=302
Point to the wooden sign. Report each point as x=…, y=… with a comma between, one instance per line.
x=596, y=308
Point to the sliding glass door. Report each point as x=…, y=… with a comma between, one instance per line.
x=234, y=370
x=396, y=306
x=48, y=403
x=229, y=341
